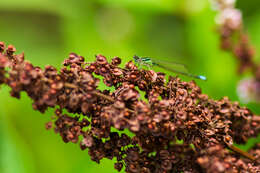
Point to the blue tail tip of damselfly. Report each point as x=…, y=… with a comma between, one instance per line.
x=202, y=77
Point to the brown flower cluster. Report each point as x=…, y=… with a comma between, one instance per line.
x=234, y=39
x=175, y=128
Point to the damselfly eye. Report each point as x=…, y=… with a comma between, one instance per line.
x=136, y=58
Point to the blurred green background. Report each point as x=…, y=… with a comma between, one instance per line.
x=48, y=30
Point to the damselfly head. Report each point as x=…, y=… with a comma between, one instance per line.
x=136, y=58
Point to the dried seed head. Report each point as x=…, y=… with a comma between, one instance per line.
x=169, y=111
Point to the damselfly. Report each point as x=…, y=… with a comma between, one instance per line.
x=170, y=66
